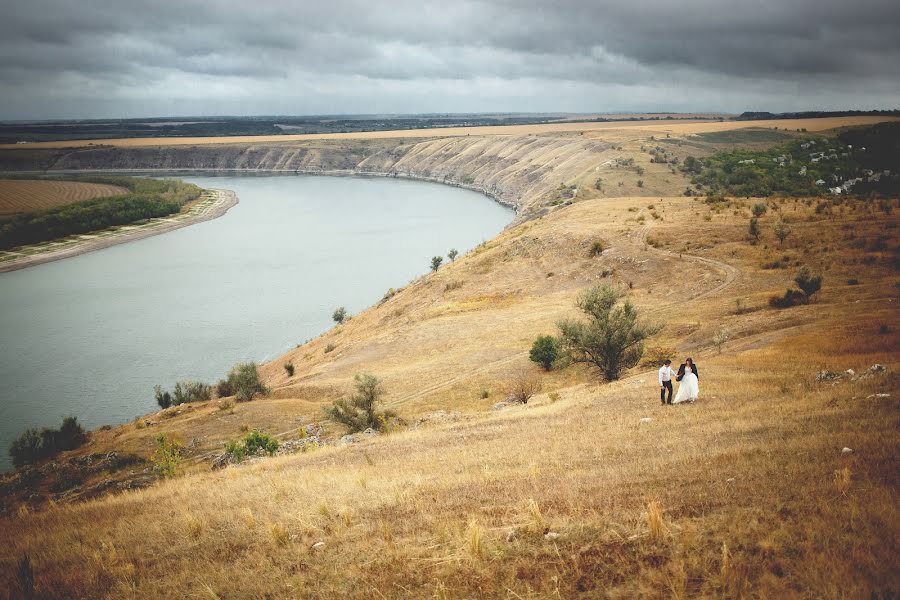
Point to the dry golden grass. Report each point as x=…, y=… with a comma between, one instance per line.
x=22, y=195
x=608, y=131
x=744, y=494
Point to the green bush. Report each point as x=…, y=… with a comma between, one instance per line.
x=27, y=448
x=33, y=445
x=790, y=298
x=339, y=315
x=545, y=351
x=253, y=444
x=166, y=457
x=289, y=368
x=452, y=254
x=436, y=262
x=596, y=249
x=759, y=209
x=243, y=382
x=359, y=412
x=809, y=283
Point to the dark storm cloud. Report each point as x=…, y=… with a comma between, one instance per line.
x=194, y=56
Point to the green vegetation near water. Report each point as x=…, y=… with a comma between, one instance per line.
x=147, y=199
x=858, y=162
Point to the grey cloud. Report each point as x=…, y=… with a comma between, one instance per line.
x=405, y=54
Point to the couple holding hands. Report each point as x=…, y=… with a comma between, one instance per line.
x=689, y=386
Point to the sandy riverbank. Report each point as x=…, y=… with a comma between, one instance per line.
x=206, y=209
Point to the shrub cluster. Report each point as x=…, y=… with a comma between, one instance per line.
x=809, y=285
x=184, y=392
x=243, y=382
x=253, y=444
x=33, y=445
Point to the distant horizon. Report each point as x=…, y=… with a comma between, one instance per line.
x=183, y=117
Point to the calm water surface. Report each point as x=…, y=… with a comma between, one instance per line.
x=90, y=336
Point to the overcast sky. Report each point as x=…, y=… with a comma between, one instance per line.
x=127, y=58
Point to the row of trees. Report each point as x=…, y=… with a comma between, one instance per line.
x=147, y=199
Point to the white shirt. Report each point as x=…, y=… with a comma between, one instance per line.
x=665, y=374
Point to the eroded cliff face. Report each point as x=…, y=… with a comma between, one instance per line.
x=520, y=171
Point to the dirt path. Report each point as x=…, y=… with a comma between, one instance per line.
x=214, y=205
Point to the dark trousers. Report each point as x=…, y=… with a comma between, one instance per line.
x=667, y=385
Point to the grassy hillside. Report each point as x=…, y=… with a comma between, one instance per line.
x=589, y=490
x=745, y=493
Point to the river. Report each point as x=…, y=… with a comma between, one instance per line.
x=91, y=335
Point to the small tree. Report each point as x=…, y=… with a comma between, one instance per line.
x=166, y=457
x=782, y=230
x=289, y=368
x=759, y=209
x=754, y=229
x=359, y=412
x=27, y=448
x=71, y=435
x=596, y=249
x=452, y=254
x=523, y=386
x=545, y=351
x=339, y=315
x=809, y=283
x=719, y=339
x=612, y=338
x=640, y=183
x=436, y=263
x=163, y=397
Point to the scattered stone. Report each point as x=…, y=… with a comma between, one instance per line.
x=551, y=535
x=301, y=445
x=826, y=376
x=729, y=480
x=370, y=433
x=509, y=401
x=348, y=439
x=222, y=461
x=646, y=420
x=882, y=395
x=846, y=450
x=871, y=372
x=318, y=546
x=850, y=373
x=313, y=430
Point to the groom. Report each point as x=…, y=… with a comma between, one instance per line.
x=665, y=381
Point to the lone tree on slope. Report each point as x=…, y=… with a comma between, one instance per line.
x=612, y=337
x=359, y=412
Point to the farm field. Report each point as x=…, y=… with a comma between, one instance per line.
x=605, y=130
x=25, y=195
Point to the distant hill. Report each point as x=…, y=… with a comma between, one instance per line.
x=813, y=114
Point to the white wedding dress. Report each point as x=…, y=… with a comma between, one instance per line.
x=689, y=388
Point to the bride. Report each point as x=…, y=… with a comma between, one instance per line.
x=690, y=382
